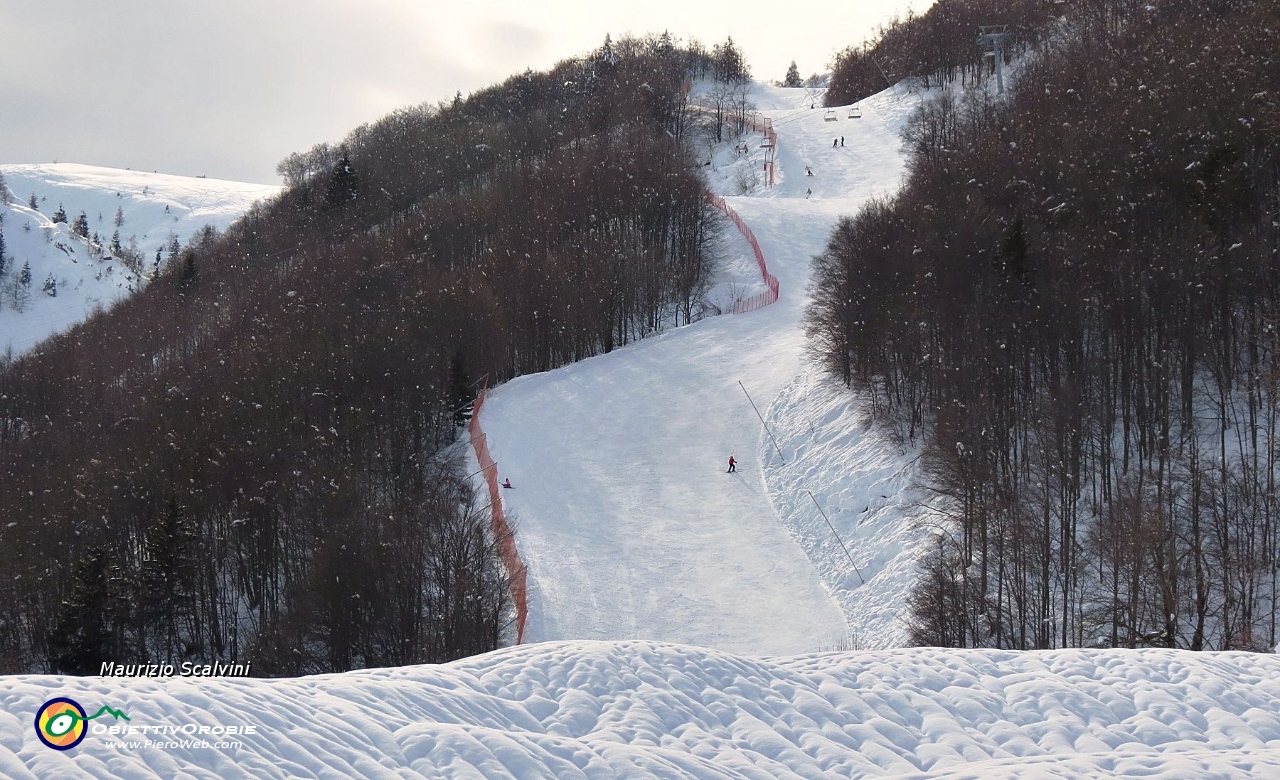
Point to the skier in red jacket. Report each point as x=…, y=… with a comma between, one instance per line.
x=733, y=465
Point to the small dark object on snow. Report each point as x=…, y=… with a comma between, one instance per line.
x=733, y=465
x=506, y=483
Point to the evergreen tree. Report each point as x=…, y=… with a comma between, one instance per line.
x=190, y=273
x=119, y=216
x=115, y=243
x=50, y=286
x=33, y=203
x=81, y=638
x=731, y=66
x=665, y=46
x=3, y=257
x=81, y=226
x=344, y=187
x=793, y=76
x=24, y=276
x=173, y=247
x=4, y=191
x=60, y=215
x=607, y=55
x=166, y=583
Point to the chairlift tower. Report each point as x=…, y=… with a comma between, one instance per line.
x=769, y=149
x=991, y=40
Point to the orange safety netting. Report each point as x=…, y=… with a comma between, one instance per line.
x=767, y=297
x=502, y=533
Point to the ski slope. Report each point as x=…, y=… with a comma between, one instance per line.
x=154, y=208
x=626, y=518
x=577, y=710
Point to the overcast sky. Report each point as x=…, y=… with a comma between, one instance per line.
x=226, y=89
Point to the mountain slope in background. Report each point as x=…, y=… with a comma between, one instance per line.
x=155, y=208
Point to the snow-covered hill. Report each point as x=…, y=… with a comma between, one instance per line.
x=641, y=709
x=152, y=209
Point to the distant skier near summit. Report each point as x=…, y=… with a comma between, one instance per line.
x=733, y=465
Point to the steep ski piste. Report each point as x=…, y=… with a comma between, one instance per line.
x=625, y=517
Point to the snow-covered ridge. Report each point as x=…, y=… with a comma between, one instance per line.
x=152, y=209
x=643, y=709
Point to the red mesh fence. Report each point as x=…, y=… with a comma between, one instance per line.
x=741, y=305
x=516, y=572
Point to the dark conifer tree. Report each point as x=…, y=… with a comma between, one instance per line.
x=60, y=215
x=731, y=65
x=166, y=583
x=81, y=226
x=344, y=186
x=189, y=271
x=793, y=76
x=33, y=203
x=81, y=640
x=665, y=45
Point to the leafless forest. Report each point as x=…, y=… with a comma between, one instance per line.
x=1072, y=307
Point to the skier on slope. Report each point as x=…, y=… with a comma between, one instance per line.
x=733, y=465
x=506, y=483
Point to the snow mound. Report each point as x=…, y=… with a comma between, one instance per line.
x=642, y=709
x=839, y=464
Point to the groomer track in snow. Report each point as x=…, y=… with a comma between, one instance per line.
x=629, y=524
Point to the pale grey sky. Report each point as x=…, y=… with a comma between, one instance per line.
x=227, y=89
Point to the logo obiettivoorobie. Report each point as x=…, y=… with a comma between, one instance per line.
x=62, y=723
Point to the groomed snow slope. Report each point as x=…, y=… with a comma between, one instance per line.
x=625, y=517
x=640, y=709
x=154, y=207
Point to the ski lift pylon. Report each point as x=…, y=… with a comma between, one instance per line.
x=831, y=115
